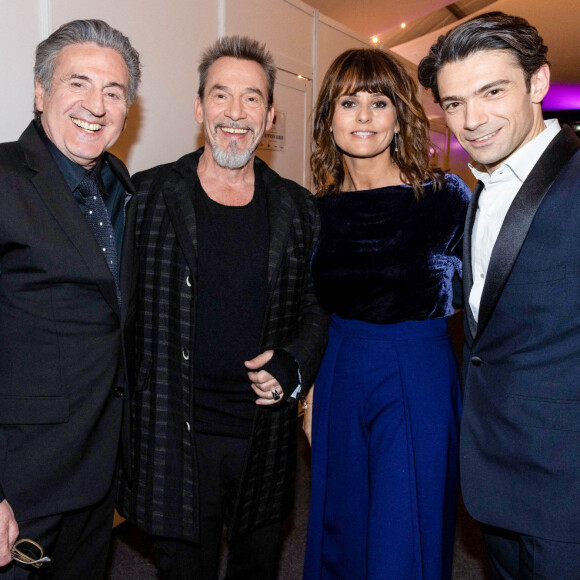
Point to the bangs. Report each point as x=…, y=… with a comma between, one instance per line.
x=365, y=74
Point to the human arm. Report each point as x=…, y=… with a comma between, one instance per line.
x=8, y=532
x=307, y=419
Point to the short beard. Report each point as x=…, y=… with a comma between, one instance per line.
x=231, y=159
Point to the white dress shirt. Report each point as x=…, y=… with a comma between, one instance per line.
x=500, y=189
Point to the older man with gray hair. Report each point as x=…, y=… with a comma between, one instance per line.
x=66, y=287
x=228, y=332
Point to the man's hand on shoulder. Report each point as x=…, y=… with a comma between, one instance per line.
x=8, y=532
x=263, y=383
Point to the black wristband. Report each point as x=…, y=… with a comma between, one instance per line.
x=284, y=369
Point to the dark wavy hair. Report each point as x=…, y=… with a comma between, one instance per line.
x=490, y=31
x=373, y=71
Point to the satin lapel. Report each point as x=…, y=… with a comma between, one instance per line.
x=467, y=265
x=55, y=193
x=178, y=193
x=280, y=216
x=519, y=219
x=128, y=265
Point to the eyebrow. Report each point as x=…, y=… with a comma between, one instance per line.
x=358, y=92
x=227, y=89
x=479, y=91
x=89, y=80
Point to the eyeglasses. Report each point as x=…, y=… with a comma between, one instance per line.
x=29, y=553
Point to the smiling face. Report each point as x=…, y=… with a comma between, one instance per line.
x=488, y=107
x=84, y=111
x=234, y=110
x=364, y=124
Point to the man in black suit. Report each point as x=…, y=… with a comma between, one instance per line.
x=228, y=333
x=520, y=432
x=66, y=286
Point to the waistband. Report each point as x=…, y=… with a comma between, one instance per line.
x=432, y=328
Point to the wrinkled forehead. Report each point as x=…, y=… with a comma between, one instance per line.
x=236, y=73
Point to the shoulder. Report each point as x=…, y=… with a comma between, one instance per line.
x=456, y=188
x=11, y=154
x=151, y=180
x=289, y=190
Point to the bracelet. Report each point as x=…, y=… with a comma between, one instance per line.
x=305, y=403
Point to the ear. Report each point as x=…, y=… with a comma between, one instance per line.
x=39, y=92
x=198, y=109
x=270, y=118
x=540, y=83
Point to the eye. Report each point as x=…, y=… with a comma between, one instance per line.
x=450, y=107
x=348, y=103
x=253, y=100
x=494, y=92
x=380, y=104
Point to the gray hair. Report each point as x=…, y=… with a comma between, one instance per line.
x=85, y=32
x=241, y=47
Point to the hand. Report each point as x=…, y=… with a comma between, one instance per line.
x=263, y=382
x=8, y=532
x=307, y=419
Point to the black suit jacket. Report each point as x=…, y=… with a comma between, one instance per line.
x=520, y=432
x=163, y=496
x=63, y=336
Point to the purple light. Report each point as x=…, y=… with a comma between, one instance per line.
x=562, y=98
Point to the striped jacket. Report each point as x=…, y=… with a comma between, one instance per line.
x=160, y=495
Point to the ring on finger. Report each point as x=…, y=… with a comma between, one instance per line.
x=275, y=395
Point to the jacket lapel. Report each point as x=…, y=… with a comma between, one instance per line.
x=519, y=219
x=467, y=265
x=55, y=193
x=280, y=216
x=178, y=193
x=128, y=263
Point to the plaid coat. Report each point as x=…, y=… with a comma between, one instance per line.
x=160, y=495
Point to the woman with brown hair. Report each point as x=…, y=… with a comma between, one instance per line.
x=386, y=403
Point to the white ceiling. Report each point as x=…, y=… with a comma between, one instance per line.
x=558, y=21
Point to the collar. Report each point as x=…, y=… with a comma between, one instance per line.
x=521, y=162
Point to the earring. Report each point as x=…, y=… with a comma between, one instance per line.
x=396, y=143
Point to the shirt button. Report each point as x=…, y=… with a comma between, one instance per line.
x=119, y=392
x=476, y=361
x=185, y=354
x=482, y=275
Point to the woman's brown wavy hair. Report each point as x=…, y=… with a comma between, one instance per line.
x=373, y=71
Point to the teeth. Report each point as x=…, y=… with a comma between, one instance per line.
x=235, y=130
x=93, y=127
x=364, y=133
x=486, y=137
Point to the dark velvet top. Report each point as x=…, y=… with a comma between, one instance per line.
x=385, y=257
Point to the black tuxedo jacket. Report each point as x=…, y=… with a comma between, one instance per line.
x=63, y=335
x=520, y=432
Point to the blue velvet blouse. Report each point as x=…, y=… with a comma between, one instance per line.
x=385, y=257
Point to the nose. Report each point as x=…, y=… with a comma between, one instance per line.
x=363, y=113
x=235, y=110
x=94, y=103
x=475, y=116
